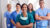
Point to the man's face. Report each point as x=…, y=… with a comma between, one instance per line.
x=18, y=7
x=9, y=7
x=41, y=4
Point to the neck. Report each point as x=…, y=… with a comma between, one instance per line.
x=42, y=8
x=24, y=14
x=30, y=10
x=9, y=10
x=17, y=11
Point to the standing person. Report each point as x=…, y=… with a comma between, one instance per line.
x=7, y=16
x=14, y=14
x=49, y=21
x=42, y=16
x=31, y=11
x=24, y=20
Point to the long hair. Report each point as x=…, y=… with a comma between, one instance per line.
x=32, y=7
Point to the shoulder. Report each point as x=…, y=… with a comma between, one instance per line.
x=12, y=12
x=6, y=12
x=38, y=9
x=29, y=15
x=18, y=15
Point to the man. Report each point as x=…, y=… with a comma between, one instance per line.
x=14, y=15
x=7, y=16
x=42, y=16
x=49, y=21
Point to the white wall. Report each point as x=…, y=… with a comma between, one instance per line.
x=5, y=2
x=0, y=15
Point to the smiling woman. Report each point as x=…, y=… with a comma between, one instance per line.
x=35, y=3
x=3, y=8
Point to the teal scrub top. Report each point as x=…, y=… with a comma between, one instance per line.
x=25, y=22
x=32, y=13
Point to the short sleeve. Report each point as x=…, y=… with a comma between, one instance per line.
x=31, y=19
x=36, y=12
x=17, y=18
x=48, y=10
x=11, y=16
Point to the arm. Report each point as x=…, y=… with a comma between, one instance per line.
x=38, y=17
x=46, y=17
x=29, y=26
x=18, y=25
x=13, y=22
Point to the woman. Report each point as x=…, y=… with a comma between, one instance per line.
x=24, y=20
x=31, y=11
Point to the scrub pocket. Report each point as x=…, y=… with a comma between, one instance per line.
x=38, y=24
x=8, y=26
x=44, y=23
x=14, y=26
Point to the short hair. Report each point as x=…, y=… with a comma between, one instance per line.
x=41, y=0
x=23, y=5
x=18, y=4
x=8, y=5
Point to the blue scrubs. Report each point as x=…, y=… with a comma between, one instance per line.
x=42, y=23
x=7, y=15
x=49, y=20
x=13, y=17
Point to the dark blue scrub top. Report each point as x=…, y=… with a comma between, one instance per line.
x=13, y=15
x=7, y=15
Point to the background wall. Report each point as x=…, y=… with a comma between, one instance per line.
x=3, y=8
x=0, y=15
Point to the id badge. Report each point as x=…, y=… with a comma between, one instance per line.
x=8, y=25
x=14, y=26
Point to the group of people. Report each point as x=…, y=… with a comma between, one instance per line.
x=24, y=16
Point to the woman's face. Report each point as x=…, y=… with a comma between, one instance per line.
x=18, y=7
x=30, y=6
x=24, y=8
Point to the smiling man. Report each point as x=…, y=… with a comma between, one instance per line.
x=42, y=16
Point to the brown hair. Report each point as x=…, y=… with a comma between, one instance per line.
x=32, y=7
x=23, y=5
x=8, y=5
x=40, y=0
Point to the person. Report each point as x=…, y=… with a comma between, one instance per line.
x=7, y=16
x=42, y=16
x=49, y=21
x=24, y=20
x=31, y=11
x=14, y=14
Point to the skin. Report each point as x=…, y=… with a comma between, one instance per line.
x=42, y=17
x=17, y=10
x=24, y=11
x=9, y=7
x=30, y=7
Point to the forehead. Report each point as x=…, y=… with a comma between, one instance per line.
x=24, y=5
x=41, y=2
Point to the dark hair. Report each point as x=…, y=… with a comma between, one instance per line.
x=41, y=0
x=32, y=7
x=18, y=4
x=23, y=5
